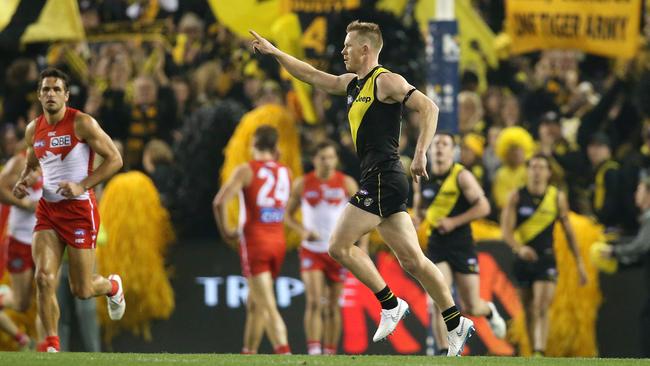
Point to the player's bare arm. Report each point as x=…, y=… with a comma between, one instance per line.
x=31, y=163
x=508, y=223
x=563, y=208
x=240, y=178
x=475, y=196
x=301, y=70
x=87, y=129
x=292, y=207
x=9, y=176
x=394, y=88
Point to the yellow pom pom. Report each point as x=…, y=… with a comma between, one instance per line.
x=514, y=136
x=607, y=265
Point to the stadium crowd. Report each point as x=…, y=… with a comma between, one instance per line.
x=587, y=113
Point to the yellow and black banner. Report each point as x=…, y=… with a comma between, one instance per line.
x=603, y=27
x=28, y=21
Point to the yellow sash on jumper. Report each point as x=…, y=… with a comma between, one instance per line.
x=544, y=215
x=446, y=197
x=363, y=101
x=599, y=190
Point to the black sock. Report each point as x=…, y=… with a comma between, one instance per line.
x=442, y=352
x=386, y=298
x=489, y=316
x=451, y=317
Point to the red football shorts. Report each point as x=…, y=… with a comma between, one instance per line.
x=74, y=221
x=314, y=261
x=19, y=256
x=261, y=255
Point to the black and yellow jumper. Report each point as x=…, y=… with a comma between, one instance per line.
x=536, y=216
x=375, y=128
x=605, y=197
x=443, y=198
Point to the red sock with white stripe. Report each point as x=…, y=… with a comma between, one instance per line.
x=21, y=338
x=329, y=349
x=114, y=288
x=50, y=341
x=314, y=348
x=282, y=350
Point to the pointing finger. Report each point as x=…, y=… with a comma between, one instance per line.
x=257, y=36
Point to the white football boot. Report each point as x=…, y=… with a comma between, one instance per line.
x=459, y=336
x=497, y=324
x=389, y=320
x=116, y=303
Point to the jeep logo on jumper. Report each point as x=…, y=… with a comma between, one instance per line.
x=363, y=99
x=60, y=141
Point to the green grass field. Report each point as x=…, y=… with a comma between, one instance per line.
x=126, y=359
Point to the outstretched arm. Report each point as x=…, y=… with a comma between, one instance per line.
x=301, y=70
x=394, y=88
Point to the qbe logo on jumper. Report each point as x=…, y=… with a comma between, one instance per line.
x=60, y=141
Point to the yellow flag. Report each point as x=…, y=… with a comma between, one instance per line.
x=241, y=15
x=53, y=20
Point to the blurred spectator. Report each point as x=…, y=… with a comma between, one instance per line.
x=153, y=115
x=633, y=168
x=469, y=81
x=490, y=160
x=568, y=164
x=20, y=92
x=10, y=142
x=189, y=50
x=184, y=99
x=157, y=161
x=604, y=183
x=471, y=155
x=510, y=111
x=492, y=100
x=470, y=113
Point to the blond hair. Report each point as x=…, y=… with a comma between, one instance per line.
x=368, y=30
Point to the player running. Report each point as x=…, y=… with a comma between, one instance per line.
x=63, y=142
x=375, y=100
x=20, y=228
x=449, y=202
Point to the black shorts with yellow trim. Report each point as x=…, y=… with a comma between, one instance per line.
x=457, y=250
x=382, y=193
x=544, y=269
